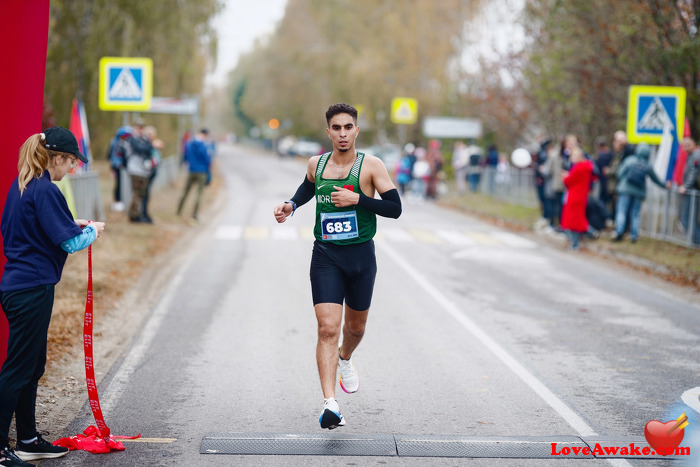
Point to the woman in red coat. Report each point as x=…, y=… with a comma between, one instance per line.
x=578, y=183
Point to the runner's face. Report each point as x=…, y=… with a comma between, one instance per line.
x=342, y=132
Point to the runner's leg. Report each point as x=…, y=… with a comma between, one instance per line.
x=329, y=317
x=353, y=331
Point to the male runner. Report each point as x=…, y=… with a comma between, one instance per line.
x=343, y=264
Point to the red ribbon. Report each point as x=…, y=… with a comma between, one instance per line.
x=97, y=439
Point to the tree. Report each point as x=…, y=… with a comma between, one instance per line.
x=363, y=52
x=176, y=34
x=584, y=54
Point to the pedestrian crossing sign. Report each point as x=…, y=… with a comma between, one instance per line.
x=652, y=108
x=126, y=83
x=404, y=110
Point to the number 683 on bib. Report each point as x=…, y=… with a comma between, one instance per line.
x=339, y=225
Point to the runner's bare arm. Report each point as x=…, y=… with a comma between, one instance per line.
x=381, y=181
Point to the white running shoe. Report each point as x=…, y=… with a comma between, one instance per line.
x=349, y=379
x=331, y=417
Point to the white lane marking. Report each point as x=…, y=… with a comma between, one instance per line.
x=691, y=398
x=280, y=233
x=138, y=351
x=398, y=235
x=514, y=240
x=229, y=232
x=455, y=238
x=573, y=419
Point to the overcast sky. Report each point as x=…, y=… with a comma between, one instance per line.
x=241, y=22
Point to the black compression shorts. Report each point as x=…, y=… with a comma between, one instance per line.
x=343, y=272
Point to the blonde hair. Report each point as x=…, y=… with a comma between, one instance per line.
x=33, y=160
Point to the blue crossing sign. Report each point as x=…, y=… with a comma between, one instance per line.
x=652, y=108
x=126, y=83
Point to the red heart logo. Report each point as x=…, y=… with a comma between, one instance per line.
x=659, y=438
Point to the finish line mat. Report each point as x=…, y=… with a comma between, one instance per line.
x=352, y=444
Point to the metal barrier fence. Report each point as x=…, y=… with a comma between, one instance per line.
x=509, y=184
x=671, y=216
x=86, y=194
x=666, y=214
x=86, y=189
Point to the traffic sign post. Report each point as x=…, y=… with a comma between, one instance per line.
x=653, y=110
x=126, y=83
x=650, y=108
x=404, y=110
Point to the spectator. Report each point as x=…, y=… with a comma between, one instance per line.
x=38, y=233
x=568, y=144
x=631, y=191
x=620, y=151
x=476, y=163
x=690, y=200
x=540, y=159
x=405, y=168
x=503, y=170
x=491, y=164
x=553, y=185
x=420, y=174
x=117, y=161
x=602, y=162
x=138, y=150
x=460, y=164
x=156, y=157
x=199, y=165
x=436, y=161
x=578, y=184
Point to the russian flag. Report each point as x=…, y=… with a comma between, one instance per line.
x=78, y=126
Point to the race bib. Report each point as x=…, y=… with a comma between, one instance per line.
x=339, y=225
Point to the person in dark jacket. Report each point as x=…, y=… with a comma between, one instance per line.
x=198, y=158
x=631, y=190
x=38, y=233
x=602, y=162
x=139, y=166
x=691, y=175
x=539, y=178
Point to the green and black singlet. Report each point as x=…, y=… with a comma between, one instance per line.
x=341, y=226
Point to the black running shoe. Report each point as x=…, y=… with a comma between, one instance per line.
x=39, y=449
x=8, y=458
x=331, y=417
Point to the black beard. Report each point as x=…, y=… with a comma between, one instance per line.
x=343, y=150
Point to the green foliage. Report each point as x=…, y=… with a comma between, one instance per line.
x=364, y=52
x=584, y=54
x=176, y=34
x=237, y=106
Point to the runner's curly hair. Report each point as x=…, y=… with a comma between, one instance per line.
x=341, y=108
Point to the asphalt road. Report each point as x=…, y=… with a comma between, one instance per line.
x=474, y=332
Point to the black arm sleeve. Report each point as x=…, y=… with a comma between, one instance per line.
x=388, y=206
x=304, y=193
